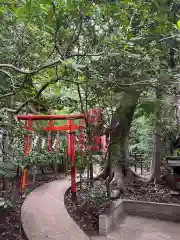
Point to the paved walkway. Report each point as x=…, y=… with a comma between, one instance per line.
x=44, y=216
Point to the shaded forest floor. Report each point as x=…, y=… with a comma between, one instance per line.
x=10, y=225
x=149, y=192
x=92, y=201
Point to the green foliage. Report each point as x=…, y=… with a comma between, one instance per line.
x=70, y=56
x=141, y=139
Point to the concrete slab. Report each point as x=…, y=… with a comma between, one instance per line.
x=138, y=228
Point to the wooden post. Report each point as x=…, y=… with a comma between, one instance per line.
x=73, y=159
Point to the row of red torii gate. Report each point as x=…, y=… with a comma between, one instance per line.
x=98, y=144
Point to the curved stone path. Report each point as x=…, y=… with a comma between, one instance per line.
x=44, y=215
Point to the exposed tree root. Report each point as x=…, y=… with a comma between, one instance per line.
x=102, y=175
x=134, y=174
x=117, y=183
x=118, y=176
x=127, y=171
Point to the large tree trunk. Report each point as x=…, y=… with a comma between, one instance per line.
x=120, y=128
x=156, y=161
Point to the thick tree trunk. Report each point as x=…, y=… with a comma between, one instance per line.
x=120, y=128
x=156, y=161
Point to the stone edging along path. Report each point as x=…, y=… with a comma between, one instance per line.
x=44, y=215
x=121, y=208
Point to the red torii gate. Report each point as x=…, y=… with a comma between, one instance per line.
x=93, y=117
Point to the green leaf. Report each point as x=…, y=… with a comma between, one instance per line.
x=77, y=67
x=45, y=2
x=127, y=1
x=69, y=61
x=178, y=24
x=126, y=46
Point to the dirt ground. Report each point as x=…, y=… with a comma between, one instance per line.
x=92, y=201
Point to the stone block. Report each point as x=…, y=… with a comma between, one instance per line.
x=121, y=208
x=161, y=211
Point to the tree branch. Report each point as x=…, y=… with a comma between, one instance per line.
x=48, y=65
x=7, y=95
x=56, y=44
x=6, y=73
x=76, y=38
x=32, y=72
x=53, y=81
x=79, y=30
x=80, y=98
x=87, y=54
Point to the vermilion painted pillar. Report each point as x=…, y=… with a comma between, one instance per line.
x=72, y=157
x=23, y=180
x=28, y=127
x=68, y=144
